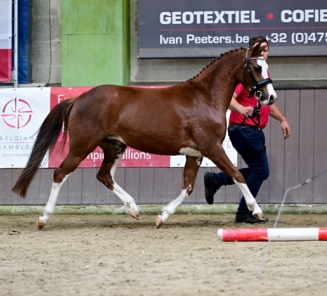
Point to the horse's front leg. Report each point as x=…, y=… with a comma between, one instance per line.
x=112, y=157
x=249, y=199
x=190, y=171
x=219, y=157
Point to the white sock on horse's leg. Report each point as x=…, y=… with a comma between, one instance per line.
x=127, y=200
x=249, y=199
x=125, y=197
x=49, y=208
x=171, y=208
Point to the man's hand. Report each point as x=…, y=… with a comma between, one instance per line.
x=286, y=129
x=237, y=107
x=275, y=113
x=246, y=111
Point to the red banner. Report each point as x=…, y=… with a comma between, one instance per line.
x=131, y=158
x=5, y=40
x=5, y=65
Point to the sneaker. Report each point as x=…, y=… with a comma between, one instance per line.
x=211, y=186
x=249, y=218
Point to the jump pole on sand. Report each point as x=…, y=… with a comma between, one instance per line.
x=272, y=234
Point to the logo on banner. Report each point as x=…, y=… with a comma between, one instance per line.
x=17, y=113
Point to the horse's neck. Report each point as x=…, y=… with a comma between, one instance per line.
x=221, y=78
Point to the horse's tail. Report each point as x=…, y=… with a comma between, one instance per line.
x=46, y=140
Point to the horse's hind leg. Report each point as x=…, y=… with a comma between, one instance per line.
x=113, y=152
x=190, y=171
x=59, y=177
x=219, y=157
x=61, y=174
x=49, y=208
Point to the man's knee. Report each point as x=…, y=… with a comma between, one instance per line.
x=261, y=173
x=265, y=173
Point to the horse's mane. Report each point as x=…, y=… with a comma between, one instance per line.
x=213, y=61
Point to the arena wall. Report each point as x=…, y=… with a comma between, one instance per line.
x=292, y=161
x=302, y=95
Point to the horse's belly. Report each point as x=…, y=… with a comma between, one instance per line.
x=162, y=148
x=190, y=152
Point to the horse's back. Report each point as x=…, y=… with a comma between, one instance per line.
x=134, y=114
x=120, y=99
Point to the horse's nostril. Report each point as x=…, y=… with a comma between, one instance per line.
x=272, y=99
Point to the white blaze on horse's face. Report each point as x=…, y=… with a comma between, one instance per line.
x=272, y=96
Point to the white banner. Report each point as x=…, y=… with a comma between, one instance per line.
x=5, y=40
x=179, y=161
x=22, y=113
x=24, y=109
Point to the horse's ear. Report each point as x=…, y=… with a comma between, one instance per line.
x=262, y=47
x=257, y=49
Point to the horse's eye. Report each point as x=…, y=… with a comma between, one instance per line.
x=257, y=69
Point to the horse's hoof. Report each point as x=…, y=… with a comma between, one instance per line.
x=40, y=224
x=159, y=222
x=134, y=214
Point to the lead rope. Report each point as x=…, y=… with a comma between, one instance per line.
x=256, y=113
x=264, y=256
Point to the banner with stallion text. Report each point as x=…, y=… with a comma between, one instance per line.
x=23, y=111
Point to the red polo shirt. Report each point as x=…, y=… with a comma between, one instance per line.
x=244, y=99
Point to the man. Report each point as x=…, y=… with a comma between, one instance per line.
x=247, y=119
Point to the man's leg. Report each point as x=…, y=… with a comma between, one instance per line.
x=256, y=159
x=213, y=181
x=250, y=144
x=259, y=171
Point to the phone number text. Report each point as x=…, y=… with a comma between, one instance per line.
x=298, y=38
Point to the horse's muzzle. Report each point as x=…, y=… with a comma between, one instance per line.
x=267, y=99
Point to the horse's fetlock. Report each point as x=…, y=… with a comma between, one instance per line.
x=189, y=189
x=47, y=212
x=169, y=212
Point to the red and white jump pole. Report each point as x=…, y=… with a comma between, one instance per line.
x=272, y=234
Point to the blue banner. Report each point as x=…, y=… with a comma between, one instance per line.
x=192, y=28
x=23, y=38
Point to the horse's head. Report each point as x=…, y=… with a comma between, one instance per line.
x=256, y=78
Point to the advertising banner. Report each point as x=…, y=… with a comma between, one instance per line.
x=5, y=40
x=23, y=111
x=131, y=158
x=191, y=28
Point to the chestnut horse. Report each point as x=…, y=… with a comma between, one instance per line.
x=188, y=118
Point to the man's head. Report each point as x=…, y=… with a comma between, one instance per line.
x=260, y=39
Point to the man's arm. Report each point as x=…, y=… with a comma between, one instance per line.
x=237, y=107
x=277, y=114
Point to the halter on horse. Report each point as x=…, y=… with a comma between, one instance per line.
x=188, y=118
